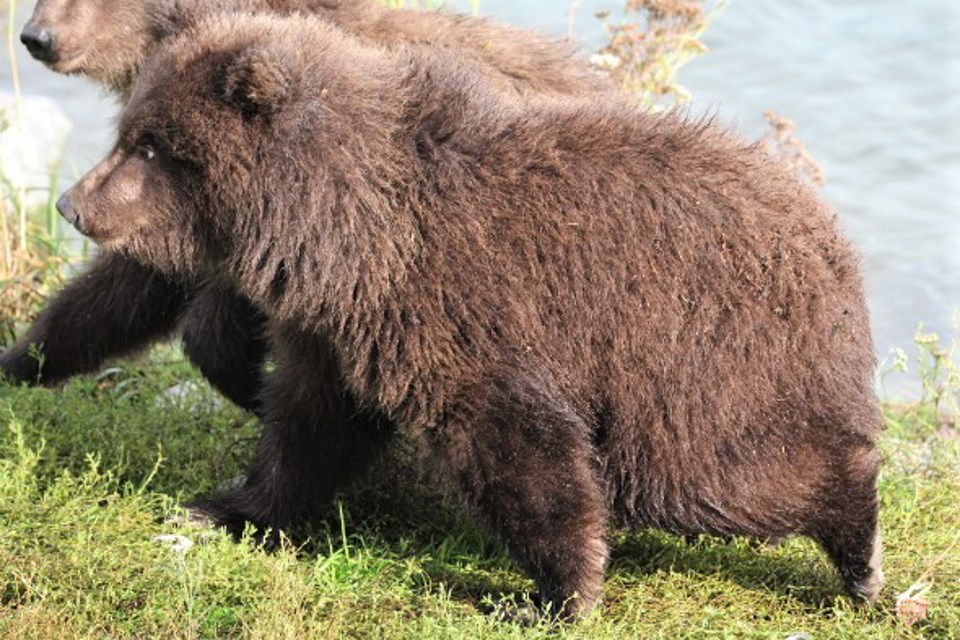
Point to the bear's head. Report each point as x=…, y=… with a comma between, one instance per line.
x=104, y=39
x=245, y=132
x=107, y=40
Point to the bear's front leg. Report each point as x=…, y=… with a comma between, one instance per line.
x=116, y=307
x=521, y=460
x=314, y=441
x=225, y=337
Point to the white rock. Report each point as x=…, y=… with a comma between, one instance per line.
x=32, y=140
x=190, y=396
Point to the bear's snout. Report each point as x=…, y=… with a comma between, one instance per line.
x=39, y=41
x=69, y=212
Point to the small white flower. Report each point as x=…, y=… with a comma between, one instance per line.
x=178, y=543
x=605, y=61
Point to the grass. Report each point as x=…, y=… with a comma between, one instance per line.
x=90, y=472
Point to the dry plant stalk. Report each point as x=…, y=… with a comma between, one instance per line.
x=30, y=265
x=27, y=276
x=651, y=43
x=785, y=144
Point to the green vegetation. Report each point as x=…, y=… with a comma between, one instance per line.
x=91, y=473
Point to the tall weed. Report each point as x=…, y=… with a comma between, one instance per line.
x=651, y=42
x=31, y=255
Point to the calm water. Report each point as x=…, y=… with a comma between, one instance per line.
x=873, y=86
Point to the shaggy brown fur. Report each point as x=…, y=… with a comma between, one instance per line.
x=579, y=311
x=222, y=333
x=108, y=40
x=119, y=306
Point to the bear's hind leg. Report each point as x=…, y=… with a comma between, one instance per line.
x=848, y=527
x=521, y=460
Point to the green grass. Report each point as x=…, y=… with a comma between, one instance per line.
x=89, y=472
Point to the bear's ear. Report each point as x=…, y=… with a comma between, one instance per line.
x=258, y=81
x=169, y=18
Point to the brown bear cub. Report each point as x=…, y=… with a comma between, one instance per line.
x=580, y=312
x=120, y=306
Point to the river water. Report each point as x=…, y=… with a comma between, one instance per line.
x=873, y=86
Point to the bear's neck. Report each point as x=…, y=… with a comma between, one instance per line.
x=329, y=262
x=333, y=221
x=323, y=239
x=340, y=248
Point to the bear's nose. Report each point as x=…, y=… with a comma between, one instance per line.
x=69, y=212
x=39, y=42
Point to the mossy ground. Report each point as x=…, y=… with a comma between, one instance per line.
x=90, y=471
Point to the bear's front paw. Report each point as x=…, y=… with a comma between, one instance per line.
x=191, y=517
x=524, y=610
x=217, y=512
x=19, y=366
x=231, y=510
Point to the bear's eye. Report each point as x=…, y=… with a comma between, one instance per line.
x=146, y=148
x=146, y=152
